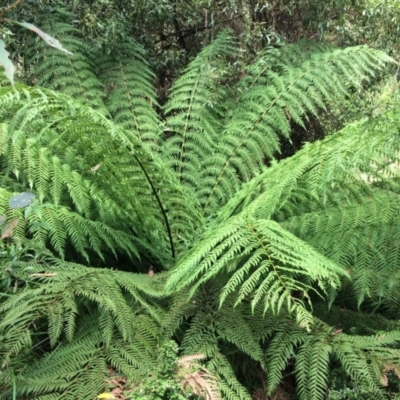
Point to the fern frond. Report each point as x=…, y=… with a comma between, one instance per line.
x=312, y=366
x=361, y=236
x=267, y=264
x=80, y=369
x=328, y=172
x=263, y=114
x=56, y=156
x=353, y=322
x=312, y=353
x=279, y=59
x=70, y=74
x=230, y=387
x=179, y=311
x=193, y=122
x=214, y=330
x=130, y=96
x=59, y=289
x=285, y=340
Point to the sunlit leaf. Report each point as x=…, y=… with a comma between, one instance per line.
x=95, y=168
x=6, y=62
x=106, y=396
x=53, y=42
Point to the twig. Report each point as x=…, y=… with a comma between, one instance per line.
x=188, y=32
x=9, y=7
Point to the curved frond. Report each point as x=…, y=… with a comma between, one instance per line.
x=83, y=368
x=264, y=112
x=130, y=93
x=70, y=74
x=192, y=117
x=330, y=172
x=59, y=292
x=267, y=264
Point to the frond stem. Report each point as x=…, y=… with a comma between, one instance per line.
x=171, y=243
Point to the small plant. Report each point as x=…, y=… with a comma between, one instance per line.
x=346, y=390
x=176, y=379
x=356, y=393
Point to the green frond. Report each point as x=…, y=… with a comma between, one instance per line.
x=328, y=172
x=192, y=119
x=81, y=369
x=351, y=211
x=230, y=318
x=70, y=74
x=130, y=95
x=356, y=363
x=353, y=322
x=312, y=367
x=82, y=160
x=230, y=387
x=59, y=292
x=362, y=237
x=264, y=112
x=285, y=339
x=213, y=329
x=267, y=264
x=179, y=311
x=313, y=352
x=279, y=59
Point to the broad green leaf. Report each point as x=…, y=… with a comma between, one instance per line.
x=53, y=42
x=6, y=62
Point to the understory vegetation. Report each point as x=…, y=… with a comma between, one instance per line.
x=173, y=241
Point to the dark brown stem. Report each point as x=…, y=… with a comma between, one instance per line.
x=9, y=7
x=163, y=212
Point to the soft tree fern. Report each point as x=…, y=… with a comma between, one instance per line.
x=282, y=269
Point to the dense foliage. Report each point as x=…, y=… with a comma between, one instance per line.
x=170, y=249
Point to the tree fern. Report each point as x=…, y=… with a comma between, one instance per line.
x=262, y=260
